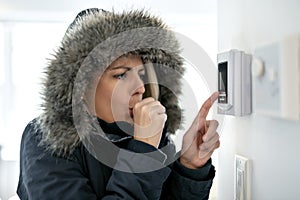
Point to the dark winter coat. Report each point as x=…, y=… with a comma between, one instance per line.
x=63, y=149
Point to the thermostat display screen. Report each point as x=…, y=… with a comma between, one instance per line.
x=222, y=82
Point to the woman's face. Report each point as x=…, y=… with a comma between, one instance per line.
x=120, y=87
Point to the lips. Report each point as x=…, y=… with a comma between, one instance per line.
x=133, y=101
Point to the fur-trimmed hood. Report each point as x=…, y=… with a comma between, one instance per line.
x=94, y=29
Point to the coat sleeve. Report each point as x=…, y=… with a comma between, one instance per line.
x=44, y=176
x=189, y=184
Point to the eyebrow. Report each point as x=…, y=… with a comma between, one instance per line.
x=125, y=67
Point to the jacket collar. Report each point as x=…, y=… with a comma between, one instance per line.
x=117, y=131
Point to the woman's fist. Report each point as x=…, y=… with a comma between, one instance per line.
x=149, y=119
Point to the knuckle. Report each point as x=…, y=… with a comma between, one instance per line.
x=137, y=105
x=162, y=116
x=204, y=147
x=215, y=122
x=144, y=109
x=216, y=135
x=151, y=99
x=165, y=116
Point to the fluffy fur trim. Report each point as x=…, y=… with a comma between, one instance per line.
x=83, y=35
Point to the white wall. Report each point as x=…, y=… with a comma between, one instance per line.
x=8, y=183
x=61, y=9
x=273, y=145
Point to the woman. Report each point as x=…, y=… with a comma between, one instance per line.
x=101, y=77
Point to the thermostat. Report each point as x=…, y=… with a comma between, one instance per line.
x=276, y=78
x=234, y=83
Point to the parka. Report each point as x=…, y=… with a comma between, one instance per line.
x=64, y=154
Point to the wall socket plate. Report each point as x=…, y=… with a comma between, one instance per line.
x=241, y=178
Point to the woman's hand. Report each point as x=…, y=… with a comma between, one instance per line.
x=149, y=119
x=200, y=141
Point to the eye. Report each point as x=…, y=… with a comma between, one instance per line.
x=142, y=74
x=120, y=76
x=143, y=77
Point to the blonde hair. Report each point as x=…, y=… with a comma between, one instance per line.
x=152, y=88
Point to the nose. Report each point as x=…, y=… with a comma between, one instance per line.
x=139, y=87
x=140, y=90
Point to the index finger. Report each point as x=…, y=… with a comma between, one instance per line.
x=207, y=105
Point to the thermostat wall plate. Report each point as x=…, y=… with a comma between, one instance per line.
x=276, y=72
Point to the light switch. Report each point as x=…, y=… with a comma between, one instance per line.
x=241, y=178
x=240, y=185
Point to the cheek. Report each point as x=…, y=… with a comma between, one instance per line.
x=121, y=94
x=103, y=96
x=103, y=102
x=112, y=95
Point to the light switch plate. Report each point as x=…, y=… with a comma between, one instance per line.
x=241, y=178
